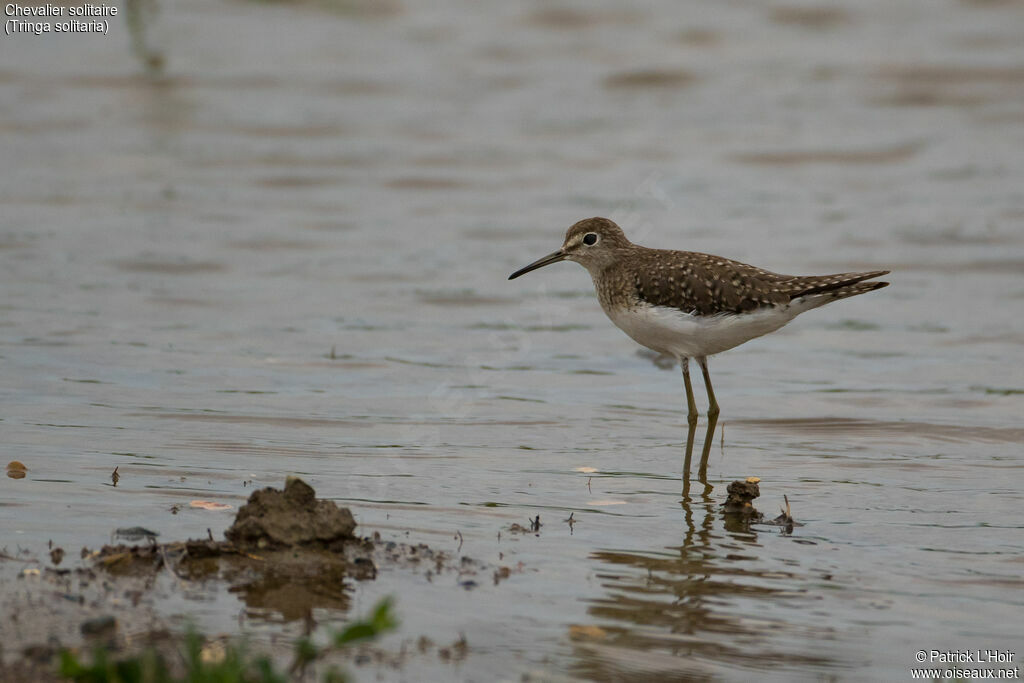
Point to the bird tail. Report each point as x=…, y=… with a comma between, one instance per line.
x=854, y=289
x=823, y=290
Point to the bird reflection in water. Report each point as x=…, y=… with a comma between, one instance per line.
x=714, y=605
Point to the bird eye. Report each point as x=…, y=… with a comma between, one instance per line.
x=590, y=239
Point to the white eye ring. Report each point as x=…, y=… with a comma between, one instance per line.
x=590, y=239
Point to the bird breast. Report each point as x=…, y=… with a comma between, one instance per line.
x=685, y=335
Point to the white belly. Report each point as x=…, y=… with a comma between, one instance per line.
x=674, y=333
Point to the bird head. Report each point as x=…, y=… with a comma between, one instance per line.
x=593, y=243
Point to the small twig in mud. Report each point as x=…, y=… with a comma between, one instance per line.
x=588, y=484
x=785, y=520
x=459, y=647
x=533, y=527
x=4, y=555
x=114, y=476
x=458, y=535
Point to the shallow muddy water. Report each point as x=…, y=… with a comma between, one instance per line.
x=288, y=255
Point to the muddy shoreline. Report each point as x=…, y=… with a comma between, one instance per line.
x=287, y=553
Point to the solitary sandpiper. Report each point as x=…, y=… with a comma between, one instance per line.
x=691, y=305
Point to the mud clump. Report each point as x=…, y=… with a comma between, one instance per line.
x=286, y=551
x=738, y=503
x=292, y=517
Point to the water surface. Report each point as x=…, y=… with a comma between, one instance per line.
x=288, y=255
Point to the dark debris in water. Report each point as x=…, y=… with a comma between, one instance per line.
x=740, y=496
x=135, y=533
x=740, y=511
x=533, y=527
x=785, y=519
x=16, y=470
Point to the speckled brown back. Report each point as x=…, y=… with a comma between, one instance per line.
x=704, y=284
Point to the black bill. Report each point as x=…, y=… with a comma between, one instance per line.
x=539, y=263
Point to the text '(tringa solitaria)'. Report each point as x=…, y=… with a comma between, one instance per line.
x=691, y=305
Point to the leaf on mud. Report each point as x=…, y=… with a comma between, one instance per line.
x=577, y=632
x=209, y=505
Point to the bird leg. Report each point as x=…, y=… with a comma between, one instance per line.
x=712, y=420
x=691, y=418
